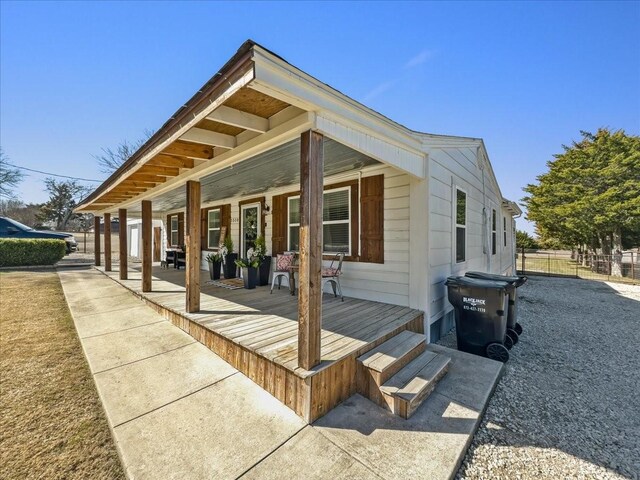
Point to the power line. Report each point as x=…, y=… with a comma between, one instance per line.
x=54, y=174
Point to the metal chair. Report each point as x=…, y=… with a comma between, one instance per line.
x=282, y=270
x=331, y=274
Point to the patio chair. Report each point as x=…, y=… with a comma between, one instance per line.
x=284, y=262
x=331, y=274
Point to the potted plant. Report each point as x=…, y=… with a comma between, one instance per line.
x=228, y=257
x=215, y=262
x=260, y=250
x=249, y=266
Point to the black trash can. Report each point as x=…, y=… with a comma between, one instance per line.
x=514, y=329
x=481, y=317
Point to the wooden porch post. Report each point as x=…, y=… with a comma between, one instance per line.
x=310, y=293
x=122, y=237
x=192, y=241
x=96, y=239
x=146, y=245
x=107, y=242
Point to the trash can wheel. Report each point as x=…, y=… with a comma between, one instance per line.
x=508, y=341
x=511, y=333
x=497, y=351
x=518, y=328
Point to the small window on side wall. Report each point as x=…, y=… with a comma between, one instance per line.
x=504, y=231
x=213, y=228
x=174, y=230
x=461, y=226
x=494, y=232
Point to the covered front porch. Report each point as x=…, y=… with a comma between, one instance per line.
x=257, y=333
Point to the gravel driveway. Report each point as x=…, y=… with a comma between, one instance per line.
x=568, y=405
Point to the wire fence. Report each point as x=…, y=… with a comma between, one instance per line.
x=624, y=267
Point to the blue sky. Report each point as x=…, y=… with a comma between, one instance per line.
x=526, y=77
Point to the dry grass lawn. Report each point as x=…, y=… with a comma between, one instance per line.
x=51, y=420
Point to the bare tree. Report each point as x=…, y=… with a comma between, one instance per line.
x=110, y=160
x=19, y=211
x=9, y=177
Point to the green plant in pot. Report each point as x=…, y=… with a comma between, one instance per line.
x=249, y=266
x=229, y=257
x=260, y=250
x=215, y=263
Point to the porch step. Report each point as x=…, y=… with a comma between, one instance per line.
x=387, y=359
x=405, y=391
x=401, y=373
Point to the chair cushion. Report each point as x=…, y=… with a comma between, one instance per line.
x=283, y=262
x=330, y=272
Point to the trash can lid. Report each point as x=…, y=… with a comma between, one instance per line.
x=476, y=282
x=516, y=280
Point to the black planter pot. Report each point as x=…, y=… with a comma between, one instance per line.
x=214, y=270
x=230, y=265
x=250, y=277
x=265, y=269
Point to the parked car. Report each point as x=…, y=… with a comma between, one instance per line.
x=11, y=229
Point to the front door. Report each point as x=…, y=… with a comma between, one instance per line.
x=250, y=227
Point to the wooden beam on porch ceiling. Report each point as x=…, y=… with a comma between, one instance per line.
x=237, y=118
x=172, y=161
x=310, y=290
x=162, y=171
x=188, y=149
x=207, y=137
x=145, y=177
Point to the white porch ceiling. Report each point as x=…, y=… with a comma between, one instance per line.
x=277, y=167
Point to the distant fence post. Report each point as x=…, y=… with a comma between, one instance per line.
x=633, y=273
x=548, y=264
x=523, y=260
x=85, y=241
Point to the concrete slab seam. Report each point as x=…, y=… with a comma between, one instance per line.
x=176, y=400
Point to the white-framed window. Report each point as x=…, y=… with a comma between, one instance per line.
x=336, y=222
x=494, y=232
x=174, y=229
x=213, y=228
x=461, y=226
x=504, y=231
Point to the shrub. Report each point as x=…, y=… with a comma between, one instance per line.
x=23, y=252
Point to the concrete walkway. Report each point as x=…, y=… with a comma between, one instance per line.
x=178, y=411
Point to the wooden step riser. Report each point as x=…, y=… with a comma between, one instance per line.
x=404, y=408
x=369, y=381
x=381, y=377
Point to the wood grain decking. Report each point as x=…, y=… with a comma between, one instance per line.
x=257, y=332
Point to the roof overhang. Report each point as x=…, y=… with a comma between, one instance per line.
x=255, y=103
x=512, y=207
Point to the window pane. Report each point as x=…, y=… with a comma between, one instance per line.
x=294, y=238
x=294, y=210
x=460, y=244
x=494, y=221
x=214, y=238
x=461, y=207
x=174, y=222
x=335, y=238
x=214, y=218
x=493, y=243
x=174, y=238
x=336, y=206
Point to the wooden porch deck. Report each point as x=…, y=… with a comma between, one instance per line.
x=257, y=333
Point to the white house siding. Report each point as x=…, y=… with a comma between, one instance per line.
x=451, y=168
x=388, y=282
